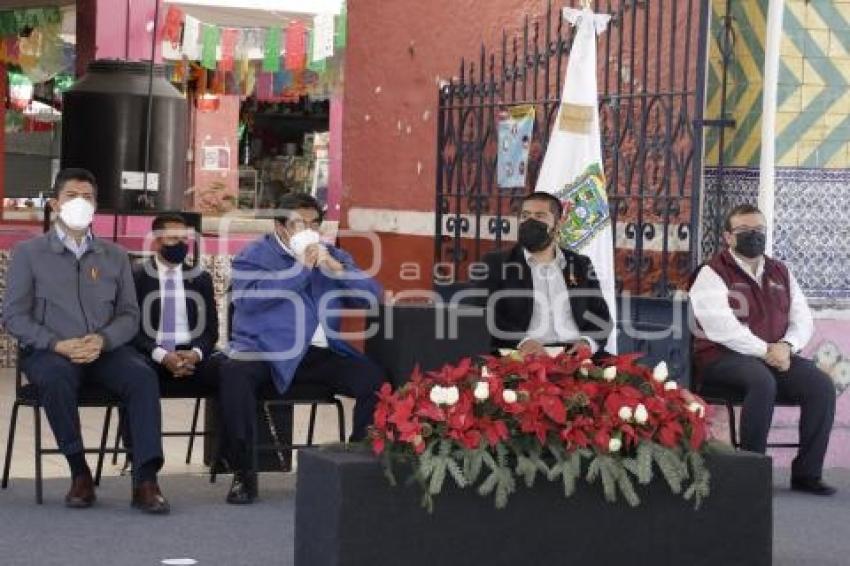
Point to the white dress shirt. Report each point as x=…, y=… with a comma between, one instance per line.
x=552, y=320
x=182, y=333
x=319, y=339
x=70, y=243
x=709, y=297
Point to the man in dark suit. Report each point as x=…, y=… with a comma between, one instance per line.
x=542, y=294
x=179, y=328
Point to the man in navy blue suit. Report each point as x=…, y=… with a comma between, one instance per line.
x=288, y=290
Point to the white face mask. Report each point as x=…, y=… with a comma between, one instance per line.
x=300, y=241
x=77, y=213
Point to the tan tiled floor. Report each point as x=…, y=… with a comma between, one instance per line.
x=176, y=415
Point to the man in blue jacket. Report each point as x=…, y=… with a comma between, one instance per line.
x=287, y=291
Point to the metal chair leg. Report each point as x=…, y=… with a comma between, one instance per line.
x=119, y=431
x=733, y=428
x=340, y=415
x=13, y=423
x=39, y=496
x=194, y=430
x=104, y=438
x=216, y=454
x=311, y=426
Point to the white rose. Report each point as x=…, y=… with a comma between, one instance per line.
x=485, y=371
x=452, y=395
x=614, y=445
x=509, y=396
x=583, y=369
x=625, y=413
x=660, y=373
x=609, y=373
x=670, y=386
x=482, y=391
x=697, y=408
x=438, y=395
x=641, y=414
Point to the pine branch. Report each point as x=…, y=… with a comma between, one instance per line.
x=456, y=473
x=670, y=466
x=389, y=473
x=627, y=488
x=489, y=484
x=644, y=463
x=700, y=488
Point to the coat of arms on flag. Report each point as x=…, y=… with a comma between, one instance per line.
x=585, y=208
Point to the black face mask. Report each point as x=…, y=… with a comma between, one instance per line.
x=750, y=244
x=175, y=253
x=534, y=235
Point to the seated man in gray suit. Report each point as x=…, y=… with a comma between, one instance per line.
x=71, y=303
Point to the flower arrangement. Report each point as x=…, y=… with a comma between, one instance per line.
x=562, y=418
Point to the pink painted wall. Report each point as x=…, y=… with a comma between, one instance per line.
x=830, y=347
x=336, y=157
x=214, y=190
x=112, y=23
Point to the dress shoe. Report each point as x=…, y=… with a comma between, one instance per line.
x=148, y=498
x=243, y=490
x=81, y=494
x=815, y=486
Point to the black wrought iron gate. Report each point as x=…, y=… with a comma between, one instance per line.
x=651, y=82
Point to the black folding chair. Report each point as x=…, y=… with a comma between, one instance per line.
x=172, y=389
x=268, y=398
x=27, y=395
x=730, y=398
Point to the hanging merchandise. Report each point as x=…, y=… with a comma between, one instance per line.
x=282, y=79
x=265, y=86
x=172, y=27
x=516, y=127
x=42, y=53
x=247, y=77
x=296, y=46
x=13, y=22
x=229, y=38
x=218, y=84
x=178, y=71
x=210, y=45
x=323, y=38
x=192, y=39
x=271, y=52
x=12, y=50
x=200, y=79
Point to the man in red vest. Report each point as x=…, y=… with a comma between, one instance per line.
x=754, y=320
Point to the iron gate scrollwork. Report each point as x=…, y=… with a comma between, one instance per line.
x=651, y=81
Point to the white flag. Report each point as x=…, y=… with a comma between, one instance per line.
x=572, y=168
x=323, y=37
x=192, y=38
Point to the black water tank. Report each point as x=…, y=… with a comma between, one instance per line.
x=104, y=120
